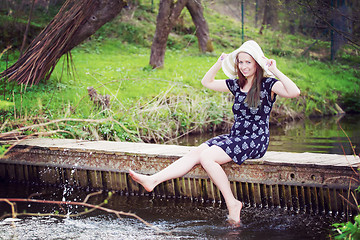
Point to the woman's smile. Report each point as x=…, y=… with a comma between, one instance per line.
x=247, y=65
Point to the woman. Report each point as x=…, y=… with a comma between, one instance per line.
x=255, y=92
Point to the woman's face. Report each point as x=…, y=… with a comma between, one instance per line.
x=247, y=65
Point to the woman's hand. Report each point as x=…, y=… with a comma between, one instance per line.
x=271, y=65
x=222, y=57
x=285, y=87
x=209, y=78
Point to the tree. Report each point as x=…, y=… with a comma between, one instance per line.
x=340, y=19
x=169, y=12
x=270, y=15
x=202, y=30
x=75, y=22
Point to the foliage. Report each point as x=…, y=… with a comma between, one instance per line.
x=12, y=31
x=3, y=149
x=5, y=105
x=351, y=101
x=349, y=230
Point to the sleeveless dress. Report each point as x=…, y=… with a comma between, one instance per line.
x=249, y=135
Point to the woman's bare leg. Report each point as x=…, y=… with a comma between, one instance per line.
x=177, y=169
x=211, y=159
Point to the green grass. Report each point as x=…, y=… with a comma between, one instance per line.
x=156, y=105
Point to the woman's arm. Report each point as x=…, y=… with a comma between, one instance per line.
x=209, y=78
x=285, y=87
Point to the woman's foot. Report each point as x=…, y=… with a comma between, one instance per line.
x=234, y=224
x=144, y=180
x=234, y=214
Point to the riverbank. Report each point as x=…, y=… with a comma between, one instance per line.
x=153, y=105
x=156, y=105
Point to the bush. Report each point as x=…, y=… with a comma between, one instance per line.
x=350, y=102
x=4, y=105
x=348, y=230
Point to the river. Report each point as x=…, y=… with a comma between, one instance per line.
x=185, y=219
x=180, y=218
x=338, y=135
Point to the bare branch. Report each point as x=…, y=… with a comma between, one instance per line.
x=84, y=204
x=2, y=135
x=331, y=26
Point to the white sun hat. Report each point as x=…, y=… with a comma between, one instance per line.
x=249, y=47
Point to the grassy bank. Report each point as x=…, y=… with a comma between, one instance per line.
x=156, y=105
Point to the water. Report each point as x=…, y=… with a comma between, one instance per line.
x=320, y=135
x=182, y=219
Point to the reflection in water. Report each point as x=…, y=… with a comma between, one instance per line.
x=322, y=135
x=184, y=219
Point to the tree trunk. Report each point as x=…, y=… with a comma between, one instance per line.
x=291, y=17
x=169, y=11
x=202, y=30
x=270, y=15
x=263, y=24
x=340, y=14
x=75, y=22
x=105, y=11
x=256, y=12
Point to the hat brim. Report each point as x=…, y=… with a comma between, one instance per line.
x=251, y=48
x=228, y=65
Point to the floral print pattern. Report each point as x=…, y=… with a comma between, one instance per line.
x=249, y=135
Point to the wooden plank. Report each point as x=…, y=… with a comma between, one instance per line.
x=10, y=171
x=82, y=178
x=275, y=196
x=173, y=150
x=2, y=171
x=116, y=181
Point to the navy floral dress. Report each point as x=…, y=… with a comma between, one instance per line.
x=249, y=136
